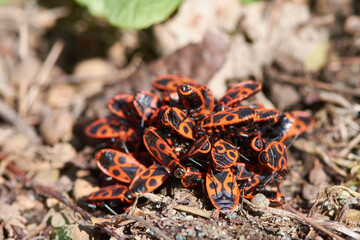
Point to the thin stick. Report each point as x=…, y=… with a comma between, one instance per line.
x=350, y=146
x=306, y=81
x=149, y=225
x=294, y=214
x=10, y=115
x=42, y=76
x=49, y=192
x=312, y=223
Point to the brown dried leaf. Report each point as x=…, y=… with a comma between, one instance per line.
x=193, y=19
x=57, y=127
x=199, y=61
x=61, y=95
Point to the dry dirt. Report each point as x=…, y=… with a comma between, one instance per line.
x=59, y=66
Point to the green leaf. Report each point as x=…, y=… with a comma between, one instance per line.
x=248, y=2
x=138, y=14
x=95, y=7
x=2, y=2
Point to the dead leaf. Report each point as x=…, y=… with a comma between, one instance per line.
x=199, y=61
x=193, y=19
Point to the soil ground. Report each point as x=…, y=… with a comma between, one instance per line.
x=59, y=66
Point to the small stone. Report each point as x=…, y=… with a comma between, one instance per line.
x=83, y=188
x=260, y=200
x=191, y=233
x=284, y=95
x=83, y=173
x=180, y=237
x=317, y=176
x=61, y=95
x=352, y=24
x=57, y=127
x=64, y=152
x=47, y=177
x=26, y=203
x=201, y=234
x=353, y=216
x=117, y=54
x=94, y=72
x=310, y=192
x=57, y=220
x=51, y=202
x=17, y=143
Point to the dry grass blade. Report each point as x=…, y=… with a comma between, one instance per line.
x=156, y=230
x=309, y=82
x=41, y=77
x=313, y=223
x=193, y=210
x=312, y=148
x=10, y=115
x=350, y=146
x=49, y=192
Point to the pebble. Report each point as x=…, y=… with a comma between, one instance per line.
x=57, y=126
x=17, y=143
x=61, y=95
x=260, y=200
x=57, y=220
x=83, y=188
x=47, y=177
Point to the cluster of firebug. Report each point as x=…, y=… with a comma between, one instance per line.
x=222, y=147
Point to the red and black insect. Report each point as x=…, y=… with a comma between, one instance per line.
x=171, y=82
x=303, y=122
x=224, y=155
x=198, y=101
x=148, y=180
x=253, y=179
x=168, y=84
x=190, y=176
x=121, y=134
x=159, y=148
x=224, y=148
x=166, y=155
x=122, y=106
x=235, y=95
x=266, y=117
x=126, y=169
x=274, y=156
x=199, y=150
x=118, y=165
x=108, y=193
x=229, y=118
x=145, y=104
x=250, y=145
x=178, y=121
x=289, y=125
x=222, y=189
x=105, y=128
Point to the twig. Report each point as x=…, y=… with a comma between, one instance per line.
x=11, y=116
x=149, y=225
x=312, y=223
x=49, y=192
x=311, y=148
x=306, y=81
x=350, y=146
x=294, y=214
x=42, y=76
x=193, y=210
